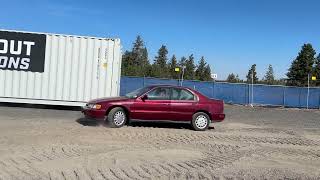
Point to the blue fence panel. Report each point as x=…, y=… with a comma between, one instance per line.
x=236, y=93
x=224, y=91
x=155, y=81
x=240, y=94
x=292, y=97
x=205, y=88
x=268, y=95
x=314, y=98
x=303, y=97
x=231, y=93
x=189, y=84
x=128, y=84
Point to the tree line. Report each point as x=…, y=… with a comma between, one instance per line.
x=305, y=65
x=269, y=77
x=136, y=63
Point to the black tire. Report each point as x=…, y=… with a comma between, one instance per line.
x=200, y=121
x=116, y=122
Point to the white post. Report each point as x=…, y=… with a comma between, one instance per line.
x=182, y=75
x=251, y=89
x=308, y=91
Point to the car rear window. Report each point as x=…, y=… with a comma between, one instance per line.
x=181, y=94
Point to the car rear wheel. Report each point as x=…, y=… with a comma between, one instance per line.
x=200, y=121
x=117, y=117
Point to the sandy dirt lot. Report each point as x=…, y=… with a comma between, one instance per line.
x=258, y=143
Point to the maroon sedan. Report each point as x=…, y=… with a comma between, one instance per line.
x=158, y=103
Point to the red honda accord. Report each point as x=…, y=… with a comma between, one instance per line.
x=158, y=103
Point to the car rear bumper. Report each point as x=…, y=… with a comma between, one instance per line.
x=218, y=117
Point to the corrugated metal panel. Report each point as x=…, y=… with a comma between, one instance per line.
x=76, y=70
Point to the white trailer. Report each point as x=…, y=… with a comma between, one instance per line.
x=56, y=69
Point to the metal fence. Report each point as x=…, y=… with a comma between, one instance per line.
x=237, y=93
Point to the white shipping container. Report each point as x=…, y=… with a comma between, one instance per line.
x=54, y=69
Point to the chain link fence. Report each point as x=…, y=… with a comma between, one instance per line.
x=237, y=93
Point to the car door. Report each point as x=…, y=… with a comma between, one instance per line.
x=182, y=104
x=155, y=107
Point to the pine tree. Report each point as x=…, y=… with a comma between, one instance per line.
x=172, y=65
x=138, y=51
x=160, y=68
x=182, y=64
x=232, y=78
x=126, y=64
x=252, y=72
x=302, y=66
x=145, y=67
x=182, y=61
x=207, y=73
x=200, y=69
x=190, y=68
x=269, y=77
x=238, y=79
x=136, y=62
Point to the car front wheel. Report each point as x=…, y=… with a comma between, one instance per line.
x=117, y=117
x=200, y=121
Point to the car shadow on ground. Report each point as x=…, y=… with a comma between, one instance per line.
x=167, y=125
x=88, y=122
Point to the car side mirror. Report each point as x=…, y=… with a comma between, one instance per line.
x=144, y=97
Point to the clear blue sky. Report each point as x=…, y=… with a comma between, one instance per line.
x=231, y=34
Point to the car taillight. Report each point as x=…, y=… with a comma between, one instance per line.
x=221, y=116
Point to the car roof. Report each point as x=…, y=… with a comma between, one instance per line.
x=167, y=85
x=175, y=86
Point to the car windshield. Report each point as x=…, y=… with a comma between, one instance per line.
x=137, y=92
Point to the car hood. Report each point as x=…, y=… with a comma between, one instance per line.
x=108, y=99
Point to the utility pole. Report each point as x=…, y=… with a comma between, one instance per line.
x=251, y=89
x=183, y=67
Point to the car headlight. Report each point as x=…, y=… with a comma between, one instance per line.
x=94, y=106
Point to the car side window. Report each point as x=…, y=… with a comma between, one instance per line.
x=159, y=94
x=181, y=94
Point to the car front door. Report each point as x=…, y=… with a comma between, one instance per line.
x=155, y=106
x=182, y=104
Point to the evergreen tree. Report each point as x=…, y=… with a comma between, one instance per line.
x=207, y=73
x=232, y=78
x=145, y=64
x=172, y=65
x=200, y=69
x=238, y=79
x=269, y=77
x=136, y=62
x=138, y=51
x=182, y=62
x=252, y=73
x=302, y=66
x=160, y=68
x=126, y=64
x=190, y=68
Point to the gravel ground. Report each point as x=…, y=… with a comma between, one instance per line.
x=252, y=143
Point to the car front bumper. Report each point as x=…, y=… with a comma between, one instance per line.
x=93, y=113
